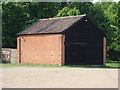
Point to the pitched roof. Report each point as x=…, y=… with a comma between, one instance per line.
x=51, y=25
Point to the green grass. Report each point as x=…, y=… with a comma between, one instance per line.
x=110, y=64
x=113, y=64
x=27, y=64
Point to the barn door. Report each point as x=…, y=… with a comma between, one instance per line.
x=75, y=55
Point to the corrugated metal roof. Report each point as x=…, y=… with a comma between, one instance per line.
x=51, y=25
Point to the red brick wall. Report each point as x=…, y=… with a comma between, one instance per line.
x=41, y=49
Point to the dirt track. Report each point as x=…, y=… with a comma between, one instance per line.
x=34, y=77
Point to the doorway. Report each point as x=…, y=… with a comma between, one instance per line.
x=75, y=54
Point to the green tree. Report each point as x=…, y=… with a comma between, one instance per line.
x=114, y=47
x=18, y=16
x=68, y=12
x=13, y=20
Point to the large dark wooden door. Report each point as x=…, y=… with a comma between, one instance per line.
x=75, y=55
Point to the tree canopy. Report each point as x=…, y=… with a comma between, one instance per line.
x=17, y=16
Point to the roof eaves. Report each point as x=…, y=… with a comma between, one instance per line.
x=62, y=17
x=38, y=34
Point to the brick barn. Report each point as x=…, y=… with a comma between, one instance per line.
x=71, y=40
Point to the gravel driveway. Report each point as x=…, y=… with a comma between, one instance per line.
x=36, y=77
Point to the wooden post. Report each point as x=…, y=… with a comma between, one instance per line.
x=104, y=50
x=63, y=50
x=19, y=49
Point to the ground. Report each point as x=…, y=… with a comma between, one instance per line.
x=59, y=77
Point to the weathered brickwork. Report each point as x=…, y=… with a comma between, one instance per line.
x=41, y=49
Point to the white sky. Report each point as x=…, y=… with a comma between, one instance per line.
x=99, y=0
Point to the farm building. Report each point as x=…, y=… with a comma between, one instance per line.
x=71, y=40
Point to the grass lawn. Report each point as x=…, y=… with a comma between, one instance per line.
x=110, y=64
